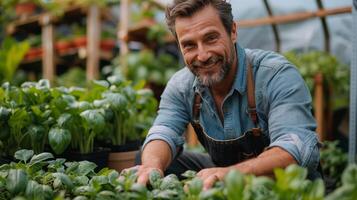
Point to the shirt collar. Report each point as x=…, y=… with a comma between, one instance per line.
x=240, y=79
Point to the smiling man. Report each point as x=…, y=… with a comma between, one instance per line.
x=250, y=109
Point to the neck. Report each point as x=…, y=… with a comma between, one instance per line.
x=222, y=88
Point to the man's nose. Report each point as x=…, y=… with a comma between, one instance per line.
x=203, y=54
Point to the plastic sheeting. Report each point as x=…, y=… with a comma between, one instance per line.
x=304, y=35
x=353, y=96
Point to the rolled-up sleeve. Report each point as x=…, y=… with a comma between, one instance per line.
x=291, y=124
x=172, y=119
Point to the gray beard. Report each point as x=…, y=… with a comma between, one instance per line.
x=211, y=80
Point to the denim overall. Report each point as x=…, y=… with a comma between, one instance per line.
x=228, y=152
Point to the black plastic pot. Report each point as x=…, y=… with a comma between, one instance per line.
x=5, y=160
x=99, y=157
x=128, y=146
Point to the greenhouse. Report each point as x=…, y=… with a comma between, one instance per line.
x=178, y=99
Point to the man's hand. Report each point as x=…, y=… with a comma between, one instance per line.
x=143, y=173
x=211, y=175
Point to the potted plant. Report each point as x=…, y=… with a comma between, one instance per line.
x=78, y=124
x=25, y=117
x=80, y=37
x=108, y=40
x=64, y=43
x=129, y=113
x=36, y=47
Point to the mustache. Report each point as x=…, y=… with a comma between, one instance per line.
x=208, y=62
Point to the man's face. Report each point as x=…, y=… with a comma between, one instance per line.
x=207, y=49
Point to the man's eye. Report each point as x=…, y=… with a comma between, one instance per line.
x=188, y=46
x=212, y=38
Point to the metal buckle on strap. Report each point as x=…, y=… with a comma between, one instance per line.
x=252, y=112
x=256, y=131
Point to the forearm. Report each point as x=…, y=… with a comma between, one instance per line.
x=156, y=154
x=266, y=162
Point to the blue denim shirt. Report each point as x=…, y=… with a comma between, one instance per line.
x=283, y=104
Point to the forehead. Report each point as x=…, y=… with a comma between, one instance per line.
x=202, y=21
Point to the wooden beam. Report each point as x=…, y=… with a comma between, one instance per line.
x=124, y=26
x=295, y=17
x=93, y=39
x=48, y=65
x=319, y=106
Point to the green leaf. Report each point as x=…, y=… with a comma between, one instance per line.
x=94, y=120
x=84, y=190
x=106, y=195
x=117, y=101
x=349, y=176
x=40, y=158
x=64, y=180
x=23, y=155
x=170, y=182
x=81, y=180
x=59, y=139
x=112, y=177
x=80, y=198
x=138, y=188
x=100, y=180
x=38, y=192
x=85, y=168
x=155, y=179
x=212, y=193
x=195, y=186
x=189, y=174
x=16, y=181
x=116, y=80
x=234, y=182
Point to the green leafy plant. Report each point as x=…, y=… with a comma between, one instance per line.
x=335, y=74
x=11, y=54
x=43, y=177
x=145, y=65
x=333, y=160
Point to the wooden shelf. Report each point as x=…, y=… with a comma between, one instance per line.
x=79, y=52
x=295, y=17
x=138, y=32
x=33, y=23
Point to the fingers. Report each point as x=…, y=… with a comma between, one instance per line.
x=143, y=179
x=209, y=181
x=134, y=169
x=143, y=173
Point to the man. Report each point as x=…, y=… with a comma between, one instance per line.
x=250, y=108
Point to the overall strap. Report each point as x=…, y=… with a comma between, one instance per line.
x=251, y=110
x=196, y=108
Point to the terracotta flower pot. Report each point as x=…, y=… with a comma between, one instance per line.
x=80, y=41
x=123, y=156
x=107, y=44
x=63, y=46
x=35, y=52
x=23, y=10
x=122, y=160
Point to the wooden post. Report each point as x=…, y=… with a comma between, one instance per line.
x=93, y=38
x=124, y=26
x=48, y=65
x=319, y=106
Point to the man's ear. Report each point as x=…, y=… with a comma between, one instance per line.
x=234, y=32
